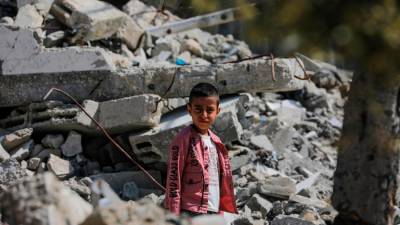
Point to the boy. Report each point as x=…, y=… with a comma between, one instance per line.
x=199, y=177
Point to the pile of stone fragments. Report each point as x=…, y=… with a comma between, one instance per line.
x=57, y=167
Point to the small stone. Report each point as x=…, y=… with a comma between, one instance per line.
x=45, y=154
x=52, y=140
x=8, y=21
x=60, y=167
x=72, y=145
x=262, y=141
x=36, y=150
x=193, y=47
x=16, y=138
x=130, y=191
x=33, y=163
x=42, y=168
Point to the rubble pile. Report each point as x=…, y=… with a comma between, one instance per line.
x=280, y=130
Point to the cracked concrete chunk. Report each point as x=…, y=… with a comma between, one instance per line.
x=52, y=140
x=251, y=76
x=279, y=187
x=121, y=115
x=3, y=154
x=42, y=199
x=11, y=141
x=60, y=167
x=28, y=17
x=96, y=20
x=71, y=59
x=73, y=144
x=22, y=152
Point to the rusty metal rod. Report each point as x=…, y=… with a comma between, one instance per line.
x=106, y=134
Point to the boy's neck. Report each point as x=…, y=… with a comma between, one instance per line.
x=201, y=131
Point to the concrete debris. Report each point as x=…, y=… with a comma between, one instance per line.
x=28, y=17
x=282, y=145
x=6, y=21
x=290, y=221
x=22, y=152
x=118, y=180
x=3, y=154
x=13, y=140
x=279, y=187
x=73, y=144
x=254, y=76
x=61, y=168
x=52, y=140
x=211, y=19
x=42, y=199
x=10, y=172
x=96, y=20
x=117, y=116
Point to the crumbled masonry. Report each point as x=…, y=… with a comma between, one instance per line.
x=56, y=166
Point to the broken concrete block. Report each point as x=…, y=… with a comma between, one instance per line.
x=16, y=138
x=279, y=187
x=52, y=140
x=192, y=46
x=241, y=157
x=127, y=213
x=71, y=59
x=3, y=154
x=258, y=203
x=262, y=141
x=6, y=21
x=121, y=115
x=10, y=172
x=251, y=76
x=22, y=152
x=152, y=146
x=33, y=163
x=42, y=199
x=284, y=138
x=60, y=167
x=96, y=20
x=119, y=179
x=28, y=17
x=42, y=6
x=54, y=39
x=168, y=44
x=73, y=145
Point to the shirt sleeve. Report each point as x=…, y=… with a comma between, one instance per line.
x=176, y=160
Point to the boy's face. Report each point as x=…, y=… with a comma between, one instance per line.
x=203, y=111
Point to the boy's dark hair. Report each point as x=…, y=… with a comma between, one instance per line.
x=203, y=90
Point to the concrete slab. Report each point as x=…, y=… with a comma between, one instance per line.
x=169, y=81
x=116, y=116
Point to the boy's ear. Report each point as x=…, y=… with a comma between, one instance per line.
x=218, y=110
x=188, y=107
